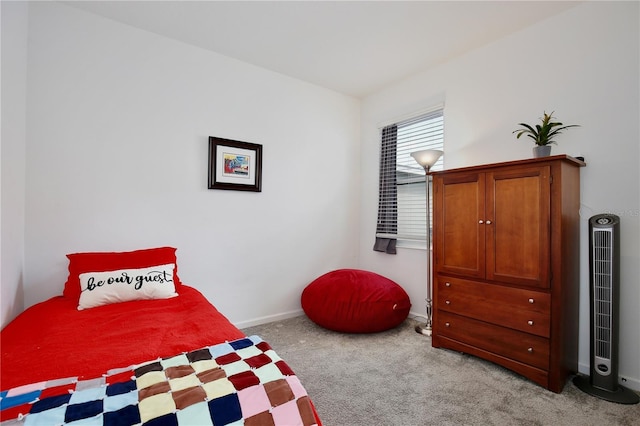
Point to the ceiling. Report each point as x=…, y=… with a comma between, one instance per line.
x=352, y=47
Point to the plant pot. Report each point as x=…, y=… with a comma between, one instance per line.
x=541, y=151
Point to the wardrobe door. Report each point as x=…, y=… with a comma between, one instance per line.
x=459, y=231
x=517, y=224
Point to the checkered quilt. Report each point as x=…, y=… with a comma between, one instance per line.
x=243, y=382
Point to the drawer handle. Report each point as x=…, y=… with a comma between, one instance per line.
x=446, y=324
x=530, y=322
x=448, y=302
x=530, y=300
x=447, y=284
x=530, y=350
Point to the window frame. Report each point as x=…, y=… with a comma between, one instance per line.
x=410, y=188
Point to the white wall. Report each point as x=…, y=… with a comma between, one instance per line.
x=13, y=93
x=118, y=127
x=589, y=75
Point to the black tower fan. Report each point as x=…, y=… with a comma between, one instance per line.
x=604, y=298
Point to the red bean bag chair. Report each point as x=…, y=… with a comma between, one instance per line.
x=355, y=301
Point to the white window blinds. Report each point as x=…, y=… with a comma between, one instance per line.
x=402, y=199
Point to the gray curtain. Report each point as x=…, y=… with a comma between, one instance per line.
x=388, y=194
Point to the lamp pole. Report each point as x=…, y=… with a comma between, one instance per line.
x=426, y=159
x=426, y=329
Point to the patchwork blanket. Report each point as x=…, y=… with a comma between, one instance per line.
x=242, y=382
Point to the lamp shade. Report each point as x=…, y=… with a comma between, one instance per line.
x=426, y=158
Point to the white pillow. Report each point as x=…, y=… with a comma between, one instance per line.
x=122, y=285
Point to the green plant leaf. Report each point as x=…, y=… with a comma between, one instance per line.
x=543, y=133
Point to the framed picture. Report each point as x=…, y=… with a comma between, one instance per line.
x=235, y=165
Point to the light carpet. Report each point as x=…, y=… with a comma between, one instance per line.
x=397, y=378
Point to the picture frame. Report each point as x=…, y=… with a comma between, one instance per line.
x=235, y=165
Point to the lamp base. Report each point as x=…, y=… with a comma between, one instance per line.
x=423, y=329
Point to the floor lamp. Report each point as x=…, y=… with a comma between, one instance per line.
x=427, y=158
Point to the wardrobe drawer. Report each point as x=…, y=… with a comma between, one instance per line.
x=523, y=347
x=524, y=310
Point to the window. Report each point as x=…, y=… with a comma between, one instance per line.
x=402, y=198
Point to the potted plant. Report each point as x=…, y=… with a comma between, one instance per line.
x=543, y=134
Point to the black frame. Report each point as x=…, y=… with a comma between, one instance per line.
x=215, y=163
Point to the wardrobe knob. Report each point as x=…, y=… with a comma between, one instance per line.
x=447, y=284
x=448, y=302
x=530, y=350
x=530, y=300
x=481, y=222
x=488, y=222
x=446, y=324
x=530, y=322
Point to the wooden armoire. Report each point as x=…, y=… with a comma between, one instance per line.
x=506, y=242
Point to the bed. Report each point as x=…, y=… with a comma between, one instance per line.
x=128, y=343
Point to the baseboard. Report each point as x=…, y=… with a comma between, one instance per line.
x=269, y=318
x=418, y=317
x=291, y=314
x=627, y=382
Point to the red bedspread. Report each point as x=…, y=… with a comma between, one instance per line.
x=53, y=339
